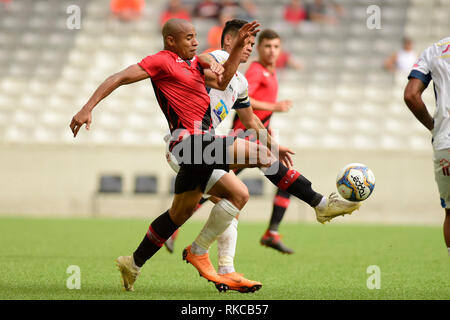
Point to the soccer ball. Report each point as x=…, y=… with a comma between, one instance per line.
x=355, y=182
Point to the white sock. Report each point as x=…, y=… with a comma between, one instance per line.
x=196, y=249
x=226, y=248
x=219, y=219
x=322, y=204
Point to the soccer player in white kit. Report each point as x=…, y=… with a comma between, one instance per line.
x=434, y=64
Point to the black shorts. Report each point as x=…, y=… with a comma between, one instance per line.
x=198, y=156
x=189, y=179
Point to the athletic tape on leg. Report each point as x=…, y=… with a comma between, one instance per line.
x=219, y=220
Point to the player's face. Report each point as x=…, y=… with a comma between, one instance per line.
x=269, y=50
x=186, y=42
x=248, y=49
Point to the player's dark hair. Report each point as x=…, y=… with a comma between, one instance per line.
x=231, y=27
x=267, y=34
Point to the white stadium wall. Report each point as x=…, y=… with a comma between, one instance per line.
x=63, y=181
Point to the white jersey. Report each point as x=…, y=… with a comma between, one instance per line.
x=405, y=60
x=434, y=64
x=234, y=96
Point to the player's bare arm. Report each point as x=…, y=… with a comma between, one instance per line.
x=279, y=106
x=389, y=62
x=413, y=99
x=231, y=65
x=129, y=75
x=212, y=69
x=284, y=153
x=251, y=121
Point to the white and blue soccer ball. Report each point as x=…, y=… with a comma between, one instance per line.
x=355, y=182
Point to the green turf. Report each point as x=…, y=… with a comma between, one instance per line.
x=330, y=261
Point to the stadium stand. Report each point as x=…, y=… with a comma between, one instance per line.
x=342, y=92
x=343, y=99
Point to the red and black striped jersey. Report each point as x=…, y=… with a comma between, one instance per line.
x=179, y=87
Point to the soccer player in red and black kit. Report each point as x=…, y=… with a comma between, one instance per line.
x=179, y=82
x=263, y=92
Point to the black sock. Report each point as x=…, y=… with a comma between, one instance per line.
x=291, y=181
x=159, y=231
x=280, y=204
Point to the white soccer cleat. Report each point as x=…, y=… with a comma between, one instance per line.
x=128, y=271
x=335, y=207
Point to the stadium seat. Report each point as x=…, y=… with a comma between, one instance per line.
x=343, y=124
x=420, y=143
x=391, y=142
x=101, y=136
x=131, y=137
x=343, y=74
x=363, y=142
x=110, y=184
x=146, y=184
x=54, y=119
x=334, y=141
x=305, y=141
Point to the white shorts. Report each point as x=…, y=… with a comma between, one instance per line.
x=441, y=159
x=216, y=175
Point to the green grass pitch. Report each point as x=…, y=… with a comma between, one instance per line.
x=330, y=262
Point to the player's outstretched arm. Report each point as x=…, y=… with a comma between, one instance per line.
x=231, y=65
x=251, y=121
x=279, y=106
x=413, y=99
x=129, y=75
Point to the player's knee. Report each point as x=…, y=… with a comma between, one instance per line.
x=239, y=199
x=243, y=198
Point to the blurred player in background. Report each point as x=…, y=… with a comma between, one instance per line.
x=434, y=64
x=127, y=10
x=263, y=91
x=401, y=61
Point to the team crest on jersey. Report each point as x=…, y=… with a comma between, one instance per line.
x=221, y=110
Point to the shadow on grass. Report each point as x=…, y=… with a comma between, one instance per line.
x=112, y=292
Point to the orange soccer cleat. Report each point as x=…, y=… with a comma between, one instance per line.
x=202, y=263
x=236, y=281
